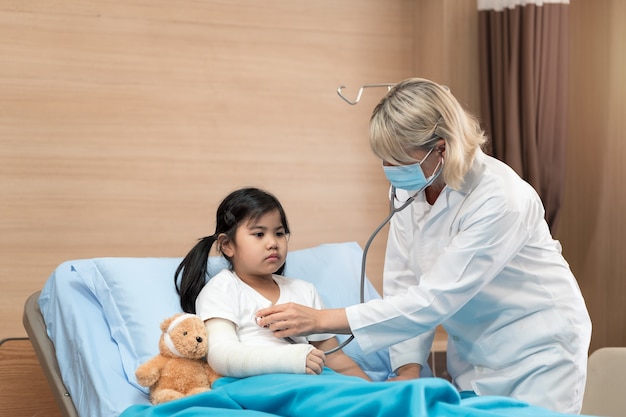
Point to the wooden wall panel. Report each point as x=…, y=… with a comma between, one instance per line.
x=123, y=124
x=446, y=47
x=23, y=386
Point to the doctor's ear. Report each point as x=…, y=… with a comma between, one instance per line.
x=441, y=146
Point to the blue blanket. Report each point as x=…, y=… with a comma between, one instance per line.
x=335, y=395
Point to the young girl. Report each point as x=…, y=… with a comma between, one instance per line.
x=252, y=233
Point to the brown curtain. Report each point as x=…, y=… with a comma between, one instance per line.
x=523, y=77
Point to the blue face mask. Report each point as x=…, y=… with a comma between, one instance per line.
x=408, y=177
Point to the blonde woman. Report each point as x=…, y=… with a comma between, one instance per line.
x=473, y=253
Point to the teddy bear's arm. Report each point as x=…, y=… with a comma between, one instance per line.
x=148, y=373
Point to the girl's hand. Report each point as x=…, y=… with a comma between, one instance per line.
x=315, y=361
x=338, y=360
x=408, y=371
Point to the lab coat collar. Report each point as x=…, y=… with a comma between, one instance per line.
x=473, y=175
x=450, y=196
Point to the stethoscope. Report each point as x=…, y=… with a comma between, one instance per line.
x=392, y=211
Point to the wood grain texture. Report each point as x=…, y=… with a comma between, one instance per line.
x=123, y=124
x=24, y=390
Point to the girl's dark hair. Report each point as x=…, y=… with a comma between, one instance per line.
x=246, y=204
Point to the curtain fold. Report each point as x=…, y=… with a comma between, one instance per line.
x=523, y=84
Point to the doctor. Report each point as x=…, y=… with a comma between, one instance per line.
x=473, y=253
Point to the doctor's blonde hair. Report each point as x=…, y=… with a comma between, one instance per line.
x=415, y=114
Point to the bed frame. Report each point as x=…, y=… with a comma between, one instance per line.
x=44, y=349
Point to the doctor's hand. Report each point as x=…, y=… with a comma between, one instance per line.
x=293, y=319
x=289, y=319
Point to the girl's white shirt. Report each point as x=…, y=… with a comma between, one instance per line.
x=228, y=297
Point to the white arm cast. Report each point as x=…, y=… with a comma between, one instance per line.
x=229, y=357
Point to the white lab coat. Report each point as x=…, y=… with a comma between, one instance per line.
x=481, y=262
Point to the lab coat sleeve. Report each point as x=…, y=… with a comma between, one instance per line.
x=414, y=350
x=488, y=237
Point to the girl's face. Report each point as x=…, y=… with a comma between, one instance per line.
x=259, y=247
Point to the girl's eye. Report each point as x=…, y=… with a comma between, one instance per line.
x=280, y=234
x=259, y=234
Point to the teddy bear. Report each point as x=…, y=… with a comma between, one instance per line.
x=180, y=369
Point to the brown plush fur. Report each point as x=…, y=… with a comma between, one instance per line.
x=169, y=376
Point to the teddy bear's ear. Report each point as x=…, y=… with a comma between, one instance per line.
x=165, y=324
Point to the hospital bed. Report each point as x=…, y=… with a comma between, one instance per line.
x=96, y=320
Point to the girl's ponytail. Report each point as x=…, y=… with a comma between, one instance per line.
x=192, y=272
